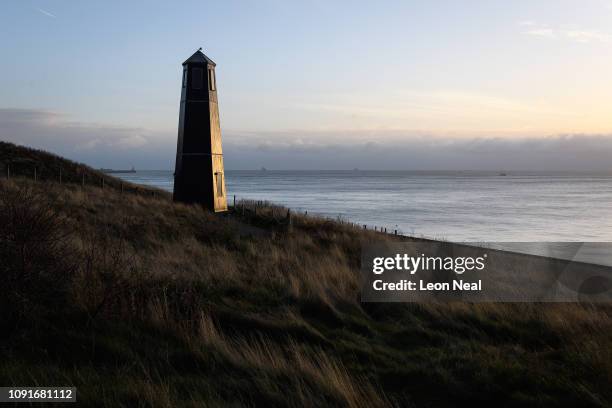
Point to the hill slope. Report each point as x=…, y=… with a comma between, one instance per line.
x=136, y=300
x=25, y=162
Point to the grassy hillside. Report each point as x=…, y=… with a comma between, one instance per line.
x=138, y=301
x=24, y=162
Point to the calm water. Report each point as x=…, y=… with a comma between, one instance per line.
x=457, y=206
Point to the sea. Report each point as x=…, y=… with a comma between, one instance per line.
x=456, y=206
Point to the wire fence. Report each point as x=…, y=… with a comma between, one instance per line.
x=285, y=216
x=83, y=178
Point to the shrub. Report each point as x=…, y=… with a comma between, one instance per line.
x=35, y=254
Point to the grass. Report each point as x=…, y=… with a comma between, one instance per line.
x=21, y=161
x=138, y=301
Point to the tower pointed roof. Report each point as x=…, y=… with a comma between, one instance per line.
x=198, y=57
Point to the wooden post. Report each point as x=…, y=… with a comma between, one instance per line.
x=234, y=201
x=83, y=180
x=289, y=221
x=385, y=230
x=395, y=233
x=364, y=226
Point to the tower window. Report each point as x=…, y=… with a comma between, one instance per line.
x=197, y=78
x=219, y=183
x=211, y=80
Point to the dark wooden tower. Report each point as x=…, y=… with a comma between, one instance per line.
x=198, y=175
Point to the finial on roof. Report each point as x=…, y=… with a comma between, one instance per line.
x=198, y=57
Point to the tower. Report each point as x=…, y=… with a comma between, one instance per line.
x=198, y=175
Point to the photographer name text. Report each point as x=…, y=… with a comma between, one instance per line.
x=421, y=285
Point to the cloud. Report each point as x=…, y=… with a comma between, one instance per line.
x=131, y=141
x=46, y=13
x=572, y=34
x=542, y=32
x=99, y=145
x=411, y=150
x=102, y=145
x=587, y=36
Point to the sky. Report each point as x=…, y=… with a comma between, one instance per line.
x=445, y=85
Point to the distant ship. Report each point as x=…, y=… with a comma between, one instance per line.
x=132, y=170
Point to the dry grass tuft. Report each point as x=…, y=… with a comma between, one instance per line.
x=264, y=359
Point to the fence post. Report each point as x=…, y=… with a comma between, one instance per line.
x=234, y=201
x=395, y=233
x=364, y=226
x=289, y=221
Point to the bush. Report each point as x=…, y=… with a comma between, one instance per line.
x=35, y=254
x=108, y=273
